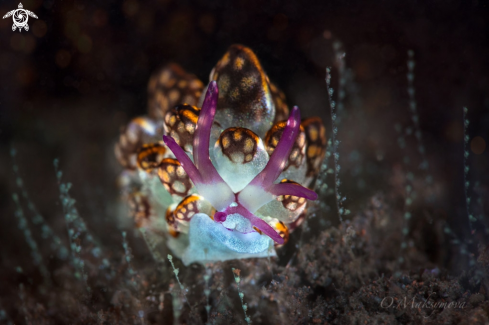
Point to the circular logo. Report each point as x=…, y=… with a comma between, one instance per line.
x=20, y=18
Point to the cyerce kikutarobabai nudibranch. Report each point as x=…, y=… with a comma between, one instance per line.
x=224, y=175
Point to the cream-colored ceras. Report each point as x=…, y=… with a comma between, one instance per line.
x=230, y=179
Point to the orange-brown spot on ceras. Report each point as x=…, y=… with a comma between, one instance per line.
x=283, y=232
x=140, y=209
x=172, y=226
x=315, y=144
x=239, y=144
x=223, y=84
x=291, y=202
x=238, y=63
x=234, y=94
x=174, y=178
x=150, y=156
x=180, y=124
x=249, y=56
x=248, y=82
x=171, y=86
x=297, y=153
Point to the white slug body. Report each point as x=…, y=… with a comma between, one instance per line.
x=225, y=180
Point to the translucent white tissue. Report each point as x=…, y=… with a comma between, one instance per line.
x=238, y=175
x=210, y=241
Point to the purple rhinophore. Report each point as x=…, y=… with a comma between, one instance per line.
x=293, y=189
x=266, y=178
x=203, y=133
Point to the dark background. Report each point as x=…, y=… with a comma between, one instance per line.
x=80, y=73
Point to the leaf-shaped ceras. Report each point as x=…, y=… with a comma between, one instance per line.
x=245, y=92
x=234, y=165
x=172, y=86
x=174, y=178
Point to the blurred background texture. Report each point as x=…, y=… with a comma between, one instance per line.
x=80, y=73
